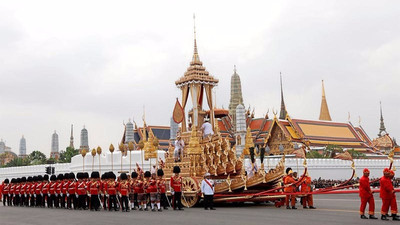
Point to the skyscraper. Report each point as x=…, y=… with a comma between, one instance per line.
x=84, y=139
x=236, y=95
x=54, y=146
x=22, y=147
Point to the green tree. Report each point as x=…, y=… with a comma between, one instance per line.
x=37, y=158
x=314, y=154
x=18, y=162
x=65, y=156
x=356, y=154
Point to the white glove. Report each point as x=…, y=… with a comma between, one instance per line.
x=172, y=192
x=107, y=195
x=41, y=195
x=48, y=195
x=61, y=194
x=56, y=195
x=13, y=195
x=19, y=195
x=89, y=195
x=67, y=195
x=76, y=195
x=25, y=195
x=34, y=195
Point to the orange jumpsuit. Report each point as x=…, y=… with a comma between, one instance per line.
x=306, y=188
x=289, y=189
x=366, y=196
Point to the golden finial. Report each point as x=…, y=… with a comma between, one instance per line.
x=131, y=146
x=121, y=147
x=99, y=150
x=93, y=152
x=111, y=148
x=83, y=152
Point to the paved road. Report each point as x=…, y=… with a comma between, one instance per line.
x=331, y=209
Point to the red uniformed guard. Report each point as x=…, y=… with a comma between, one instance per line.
x=146, y=183
x=366, y=196
x=132, y=194
x=161, y=184
x=123, y=190
x=38, y=192
x=52, y=191
x=104, y=180
x=153, y=191
x=5, y=192
x=386, y=194
x=64, y=190
x=27, y=191
x=45, y=190
x=32, y=191
x=289, y=188
x=176, y=185
x=60, y=178
x=393, y=202
x=112, y=191
x=306, y=189
x=16, y=191
x=139, y=190
x=71, y=198
x=94, y=189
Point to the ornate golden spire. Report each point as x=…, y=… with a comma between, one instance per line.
x=196, y=58
x=324, y=113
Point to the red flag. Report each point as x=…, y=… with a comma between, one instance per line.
x=178, y=113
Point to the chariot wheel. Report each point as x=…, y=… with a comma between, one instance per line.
x=190, y=191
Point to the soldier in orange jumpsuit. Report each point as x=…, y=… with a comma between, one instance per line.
x=289, y=188
x=387, y=195
x=393, y=202
x=306, y=188
x=366, y=196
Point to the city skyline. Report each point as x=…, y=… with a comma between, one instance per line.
x=102, y=76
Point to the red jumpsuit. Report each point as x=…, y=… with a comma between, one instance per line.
x=366, y=196
x=387, y=195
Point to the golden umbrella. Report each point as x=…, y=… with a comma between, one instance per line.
x=83, y=153
x=130, y=148
x=93, y=154
x=99, y=152
x=112, y=160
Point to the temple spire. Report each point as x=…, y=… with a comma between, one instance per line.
x=382, y=128
x=71, y=140
x=324, y=113
x=283, y=112
x=196, y=58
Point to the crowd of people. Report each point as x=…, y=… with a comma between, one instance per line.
x=136, y=191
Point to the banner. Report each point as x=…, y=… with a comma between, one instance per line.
x=178, y=113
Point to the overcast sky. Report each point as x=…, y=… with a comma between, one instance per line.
x=97, y=63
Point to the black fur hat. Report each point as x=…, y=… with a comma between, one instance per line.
x=147, y=174
x=124, y=176
x=39, y=178
x=160, y=172
x=134, y=174
x=79, y=175
x=6, y=181
x=60, y=176
x=66, y=176
x=46, y=177
x=177, y=169
x=71, y=176
x=85, y=175
x=29, y=179
x=288, y=169
x=53, y=177
x=111, y=175
x=95, y=174
x=34, y=178
x=23, y=179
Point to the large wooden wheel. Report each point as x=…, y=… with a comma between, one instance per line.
x=190, y=191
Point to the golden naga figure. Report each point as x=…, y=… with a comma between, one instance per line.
x=249, y=142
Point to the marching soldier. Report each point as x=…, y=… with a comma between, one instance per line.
x=176, y=185
x=52, y=191
x=38, y=192
x=139, y=190
x=306, y=189
x=5, y=192
x=33, y=191
x=71, y=198
x=366, y=196
x=12, y=191
x=161, y=184
x=22, y=192
x=27, y=191
x=153, y=191
x=112, y=191
x=146, y=181
x=64, y=190
x=133, y=195
x=45, y=191
x=123, y=191
x=59, y=185
x=94, y=188
x=393, y=202
x=81, y=191
x=289, y=188
x=104, y=182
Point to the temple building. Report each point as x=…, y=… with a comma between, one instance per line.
x=236, y=95
x=22, y=147
x=54, y=153
x=283, y=112
x=84, y=140
x=383, y=142
x=324, y=113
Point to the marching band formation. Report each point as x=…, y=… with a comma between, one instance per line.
x=137, y=191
